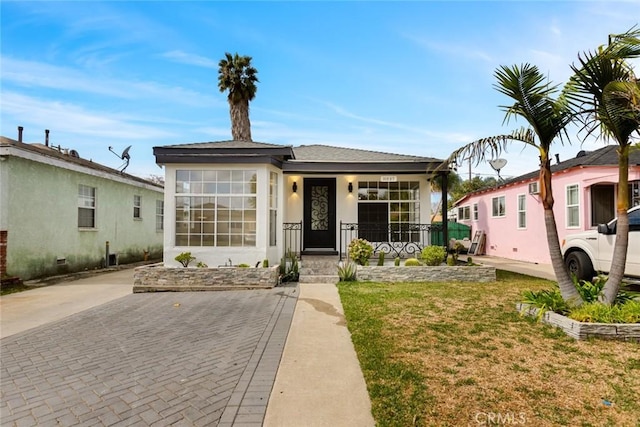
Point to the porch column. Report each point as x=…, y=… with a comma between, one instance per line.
x=445, y=220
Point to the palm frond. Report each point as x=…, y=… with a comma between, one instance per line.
x=488, y=148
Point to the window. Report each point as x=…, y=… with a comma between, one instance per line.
x=475, y=211
x=273, y=208
x=498, y=207
x=215, y=208
x=159, y=215
x=86, y=206
x=387, y=211
x=464, y=213
x=137, y=206
x=522, y=211
x=573, y=206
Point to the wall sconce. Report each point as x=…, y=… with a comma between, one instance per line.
x=350, y=187
x=295, y=187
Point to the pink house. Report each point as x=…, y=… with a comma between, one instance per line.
x=585, y=192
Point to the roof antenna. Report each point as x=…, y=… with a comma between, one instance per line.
x=124, y=156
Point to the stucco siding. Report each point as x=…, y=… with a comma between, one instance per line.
x=40, y=213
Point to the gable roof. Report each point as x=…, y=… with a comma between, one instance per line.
x=317, y=158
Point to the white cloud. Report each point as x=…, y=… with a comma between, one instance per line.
x=189, y=59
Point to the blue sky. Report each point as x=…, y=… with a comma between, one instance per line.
x=403, y=77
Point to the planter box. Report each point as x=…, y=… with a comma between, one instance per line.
x=157, y=278
x=444, y=273
x=584, y=330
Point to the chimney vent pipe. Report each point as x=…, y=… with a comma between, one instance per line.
x=46, y=137
x=20, y=129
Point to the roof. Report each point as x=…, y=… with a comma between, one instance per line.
x=317, y=158
x=69, y=156
x=327, y=153
x=606, y=156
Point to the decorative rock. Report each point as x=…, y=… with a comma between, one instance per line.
x=427, y=274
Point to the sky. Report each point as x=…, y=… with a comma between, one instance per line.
x=411, y=78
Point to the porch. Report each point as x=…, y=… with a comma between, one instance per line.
x=404, y=240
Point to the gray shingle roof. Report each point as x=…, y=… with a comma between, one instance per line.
x=327, y=153
x=606, y=156
x=227, y=144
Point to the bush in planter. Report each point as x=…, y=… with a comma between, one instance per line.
x=185, y=258
x=380, y=259
x=433, y=255
x=412, y=262
x=396, y=261
x=360, y=250
x=347, y=271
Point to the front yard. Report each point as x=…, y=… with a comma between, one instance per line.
x=457, y=354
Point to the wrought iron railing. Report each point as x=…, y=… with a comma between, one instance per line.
x=292, y=238
x=397, y=240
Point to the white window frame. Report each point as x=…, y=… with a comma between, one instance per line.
x=475, y=212
x=464, y=213
x=504, y=207
x=573, y=206
x=159, y=215
x=522, y=211
x=87, y=201
x=137, y=206
x=273, y=208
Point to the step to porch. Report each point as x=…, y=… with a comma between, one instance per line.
x=319, y=269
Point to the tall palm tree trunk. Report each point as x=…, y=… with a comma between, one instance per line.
x=240, y=124
x=616, y=272
x=567, y=289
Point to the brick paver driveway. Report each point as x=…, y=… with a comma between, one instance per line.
x=189, y=359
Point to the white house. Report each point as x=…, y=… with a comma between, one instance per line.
x=61, y=213
x=234, y=202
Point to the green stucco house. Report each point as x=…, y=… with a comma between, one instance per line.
x=61, y=213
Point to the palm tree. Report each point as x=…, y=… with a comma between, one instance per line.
x=547, y=118
x=236, y=75
x=606, y=94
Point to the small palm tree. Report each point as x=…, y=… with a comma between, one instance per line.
x=236, y=75
x=606, y=95
x=547, y=118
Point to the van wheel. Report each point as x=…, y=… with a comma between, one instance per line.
x=579, y=265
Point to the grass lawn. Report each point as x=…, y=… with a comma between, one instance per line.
x=458, y=354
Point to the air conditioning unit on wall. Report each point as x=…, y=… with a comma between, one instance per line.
x=534, y=188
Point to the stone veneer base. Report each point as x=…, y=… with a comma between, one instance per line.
x=426, y=274
x=585, y=330
x=157, y=278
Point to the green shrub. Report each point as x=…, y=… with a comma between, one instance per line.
x=469, y=260
x=360, y=250
x=185, y=258
x=451, y=260
x=596, y=312
x=265, y=263
x=380, y=259
x=396, y=261
x=347, y=271
x=201, y=265
x=433, y=255
x=243, y=265
x=545, y=300
x=289, y=268
x=412, y=262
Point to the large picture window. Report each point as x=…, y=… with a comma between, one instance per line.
x=216, y=208
x=86, y=206
x=387, y=210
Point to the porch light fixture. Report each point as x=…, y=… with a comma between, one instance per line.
x=350, y=187
x=295, y=187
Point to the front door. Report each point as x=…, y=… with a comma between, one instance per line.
x=319, y=214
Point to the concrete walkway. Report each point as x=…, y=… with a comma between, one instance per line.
x=319, y=382
x=25, y=310
x=544, y=271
